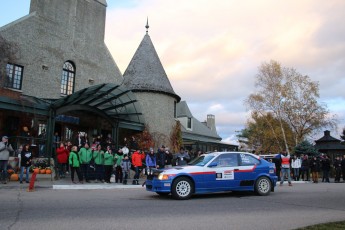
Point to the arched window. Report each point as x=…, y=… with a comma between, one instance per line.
x=67, y=79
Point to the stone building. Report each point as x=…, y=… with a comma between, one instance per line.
x=66, y=81
x=65, y=76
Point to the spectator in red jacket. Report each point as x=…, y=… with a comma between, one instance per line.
x=137, y=162
x=62, y=156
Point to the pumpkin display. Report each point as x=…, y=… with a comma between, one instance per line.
x=36, y=170
x=42, y=171
x=14, y=177
x=48, y=171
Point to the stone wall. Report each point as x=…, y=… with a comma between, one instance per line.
x=158, y=110
x=49, y=37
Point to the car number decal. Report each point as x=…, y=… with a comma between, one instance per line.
x=225, y=175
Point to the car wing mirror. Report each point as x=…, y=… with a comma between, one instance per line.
x=212, y=164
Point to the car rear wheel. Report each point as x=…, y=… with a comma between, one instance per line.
x=182, y=188
x=263, y=186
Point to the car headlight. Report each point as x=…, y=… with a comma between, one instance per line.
x=162, y=176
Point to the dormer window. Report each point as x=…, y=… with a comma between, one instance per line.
x=189, y=123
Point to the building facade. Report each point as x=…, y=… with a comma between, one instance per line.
x=65, y=81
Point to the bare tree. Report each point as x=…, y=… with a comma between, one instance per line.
x=301, y=108
x=291, y=98
x=269, y=82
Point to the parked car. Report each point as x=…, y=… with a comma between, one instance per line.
x=269, y=157
x=215, y=172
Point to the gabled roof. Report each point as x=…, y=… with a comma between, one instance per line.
x=145, y=71
x=200, y=131
x=103, y=2
x=182, y=110
x=327, y=142
x=327, y=138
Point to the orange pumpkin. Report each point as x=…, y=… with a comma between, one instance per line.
x=36, y=170
x=42, y=171
x=48, y=171
x=14, y=177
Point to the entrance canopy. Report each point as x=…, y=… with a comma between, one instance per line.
x=113, y=102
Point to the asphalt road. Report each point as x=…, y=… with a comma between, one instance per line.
x=287, y=208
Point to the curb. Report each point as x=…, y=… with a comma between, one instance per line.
x=92, y=186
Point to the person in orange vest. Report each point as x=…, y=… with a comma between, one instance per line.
x=286, y=161
x=137, y=162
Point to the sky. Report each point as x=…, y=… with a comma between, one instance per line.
x=211, y=50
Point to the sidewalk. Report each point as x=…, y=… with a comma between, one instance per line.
x=48, y=181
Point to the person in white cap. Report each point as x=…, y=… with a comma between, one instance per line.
x=5, y=149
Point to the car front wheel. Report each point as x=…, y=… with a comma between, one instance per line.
x=263, y=186
x=182, y=188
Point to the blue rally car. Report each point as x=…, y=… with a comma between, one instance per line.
x=215, y=172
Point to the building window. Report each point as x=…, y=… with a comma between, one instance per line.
x=14, y=76
x=67, y=79
x=189, y=123
x=42, y=128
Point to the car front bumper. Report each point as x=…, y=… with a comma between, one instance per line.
x=156, y=185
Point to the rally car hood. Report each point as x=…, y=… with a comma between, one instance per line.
x=181, y=169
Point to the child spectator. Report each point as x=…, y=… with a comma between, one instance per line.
x=25, y=162
x=126, y=167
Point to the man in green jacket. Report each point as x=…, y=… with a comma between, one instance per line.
x=74, y=162
x=98, y=157
x=85, y=156
x=108, y=164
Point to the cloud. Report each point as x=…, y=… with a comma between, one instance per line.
x=211, y=49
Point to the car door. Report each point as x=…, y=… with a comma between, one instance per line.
x=246, y=172
x=224, y=166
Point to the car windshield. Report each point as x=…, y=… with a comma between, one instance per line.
x=201, y=160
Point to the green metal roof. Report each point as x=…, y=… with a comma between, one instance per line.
x=113, y=102
x=25, y=104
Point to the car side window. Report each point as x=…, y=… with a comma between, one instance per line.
x=246, y=160
x=227, y=160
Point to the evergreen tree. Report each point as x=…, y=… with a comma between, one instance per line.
x=305, y=147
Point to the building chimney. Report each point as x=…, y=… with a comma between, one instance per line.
x=327, y=133
x=211, y=122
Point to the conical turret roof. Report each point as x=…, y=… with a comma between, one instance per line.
x=145, y=72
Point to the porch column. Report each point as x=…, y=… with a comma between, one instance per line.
x=115, y=134
x=50, y=133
